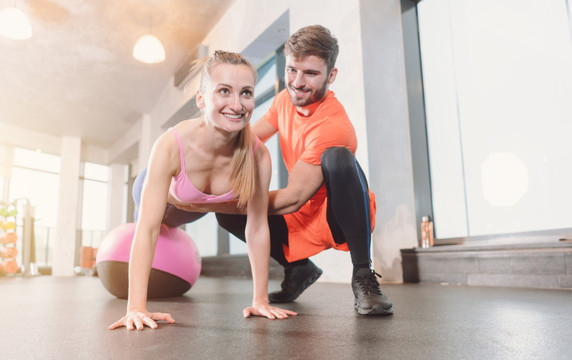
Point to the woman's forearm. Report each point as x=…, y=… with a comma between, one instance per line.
x=258, y=242
x=140, y=261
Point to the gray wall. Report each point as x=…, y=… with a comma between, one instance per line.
x=389, y=149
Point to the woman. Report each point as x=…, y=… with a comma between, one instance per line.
x=213, y=158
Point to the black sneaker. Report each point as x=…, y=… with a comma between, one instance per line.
x=369, y=300
x=297, y=278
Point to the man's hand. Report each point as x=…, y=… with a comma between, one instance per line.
x=270, y=312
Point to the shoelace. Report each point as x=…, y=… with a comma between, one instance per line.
x=369, y=283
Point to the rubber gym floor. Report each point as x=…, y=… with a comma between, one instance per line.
x=66, y=318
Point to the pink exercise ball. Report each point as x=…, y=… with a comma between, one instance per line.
x=176, y=265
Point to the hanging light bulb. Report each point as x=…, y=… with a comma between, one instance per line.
x=149, y=49
x=14, y=24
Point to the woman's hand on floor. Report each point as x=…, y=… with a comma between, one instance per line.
x=268, y=311
x=139, y=319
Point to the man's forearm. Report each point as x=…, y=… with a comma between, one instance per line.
x=222, y=208
x=303, y=182
x=280, y=203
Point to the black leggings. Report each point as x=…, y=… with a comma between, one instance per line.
x=348, y=211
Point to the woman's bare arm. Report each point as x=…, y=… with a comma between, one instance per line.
x=258, y=242
x=153, y=201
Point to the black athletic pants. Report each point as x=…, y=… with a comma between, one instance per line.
x=348, y=211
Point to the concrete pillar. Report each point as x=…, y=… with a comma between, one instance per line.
x=64, y=246
x=145, y=143
x=115, y=196
x=389, y=148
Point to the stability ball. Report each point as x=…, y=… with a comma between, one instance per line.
x=176, y=265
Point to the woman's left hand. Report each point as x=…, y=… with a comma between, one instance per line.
x=270, y=312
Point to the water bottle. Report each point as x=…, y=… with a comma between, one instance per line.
x=426, y=232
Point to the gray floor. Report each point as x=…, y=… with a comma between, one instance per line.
x=66, y=318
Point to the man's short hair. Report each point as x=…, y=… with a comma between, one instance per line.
x=313, y=40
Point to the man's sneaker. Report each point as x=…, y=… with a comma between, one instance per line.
x=369, y=300
x=297, y=278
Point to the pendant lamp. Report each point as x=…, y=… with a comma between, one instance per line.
x=149, y=49
x=14, y=24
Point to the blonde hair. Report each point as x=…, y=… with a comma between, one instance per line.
x=244, y=170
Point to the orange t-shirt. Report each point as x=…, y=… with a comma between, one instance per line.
x=305, y=138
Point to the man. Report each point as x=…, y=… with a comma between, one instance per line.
x=327, y=202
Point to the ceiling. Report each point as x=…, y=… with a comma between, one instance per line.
x=76, y=75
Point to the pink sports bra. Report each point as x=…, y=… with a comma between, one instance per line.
x=183, y=189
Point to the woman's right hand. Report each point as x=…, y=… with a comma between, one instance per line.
x=138, y=319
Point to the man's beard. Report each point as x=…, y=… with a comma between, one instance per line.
x=318, y=95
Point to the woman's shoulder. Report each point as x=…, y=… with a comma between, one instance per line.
x=183, y=132
x=165, y=147
x=174, y=138
x=164, y=156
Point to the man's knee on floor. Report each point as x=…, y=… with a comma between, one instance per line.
x=337, y=160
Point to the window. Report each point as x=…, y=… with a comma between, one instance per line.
x=498, y=84
x=35, y=176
